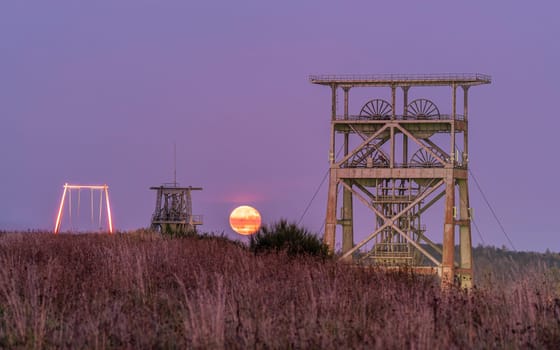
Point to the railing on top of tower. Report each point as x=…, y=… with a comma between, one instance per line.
x=448, y=78
x=361, y=118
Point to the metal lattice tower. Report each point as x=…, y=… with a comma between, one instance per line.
x=173, y=213
x=399, y=165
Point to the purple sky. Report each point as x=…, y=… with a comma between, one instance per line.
x=98, y=92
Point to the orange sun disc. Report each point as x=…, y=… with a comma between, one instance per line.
x=245, y=220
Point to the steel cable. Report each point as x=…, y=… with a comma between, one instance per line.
x=317, y=190
x=491, y=209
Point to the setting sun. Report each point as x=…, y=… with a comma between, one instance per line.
x=245, y=220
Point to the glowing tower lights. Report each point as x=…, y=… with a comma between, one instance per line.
x=67, y=192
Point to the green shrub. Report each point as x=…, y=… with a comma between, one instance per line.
x=220, y=238
x=288, y=237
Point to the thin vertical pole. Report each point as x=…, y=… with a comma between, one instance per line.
x=91, y=199
x=333, y=118
x=453, y=118
x=466, y=132
x=109, y=218
x=70, y=207
x=392, y=160
x=78, y=211
x=394, y=107
x=465, y=102
x=175, y=164
x=100, y=207
x=393, y=101
x=405, y=137
x=346, y=89
x=346, y=136
x=333, y=101
x=60, y=208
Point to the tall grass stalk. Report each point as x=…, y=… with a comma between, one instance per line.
x=140, y=291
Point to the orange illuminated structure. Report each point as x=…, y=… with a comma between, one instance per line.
x=67, y=192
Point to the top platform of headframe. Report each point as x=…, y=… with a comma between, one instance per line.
x=446, y=79
x=173, y=186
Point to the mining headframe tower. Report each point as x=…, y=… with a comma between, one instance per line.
x=173, y=213
x=400, y=157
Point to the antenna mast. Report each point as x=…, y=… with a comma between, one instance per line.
x=175, y=164
x=173, y=214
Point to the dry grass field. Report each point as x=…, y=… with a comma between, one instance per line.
x=140, y=291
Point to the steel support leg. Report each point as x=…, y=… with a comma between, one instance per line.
x=448, y=258
x=330, y=223
x=347, y=224
x=466, y=276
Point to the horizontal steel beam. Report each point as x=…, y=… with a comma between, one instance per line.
x=398, y=173
x=90, y=187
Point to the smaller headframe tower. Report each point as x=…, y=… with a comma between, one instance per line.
x=173, y=214
x=399, y=157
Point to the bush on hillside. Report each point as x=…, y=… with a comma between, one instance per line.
x=288, y=237
x=220, y=237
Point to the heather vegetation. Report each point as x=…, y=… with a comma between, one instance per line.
x=140, y=290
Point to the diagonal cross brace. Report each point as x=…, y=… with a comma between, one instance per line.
x=407, y=133
x=357, y=132
x=390, y=222
x=363, y=200
x=415, y=244
x=376, y=146
x=362, y=145
x=422, y=209
x=436, y=147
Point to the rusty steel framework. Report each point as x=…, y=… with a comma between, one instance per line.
x=173, y=213
x=399, y=165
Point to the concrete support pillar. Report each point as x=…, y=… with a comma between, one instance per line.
x=330, y=222
x=465, y=240
x=347, y=223
x=466, y=276
x=448, y=256
x=347, y=207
